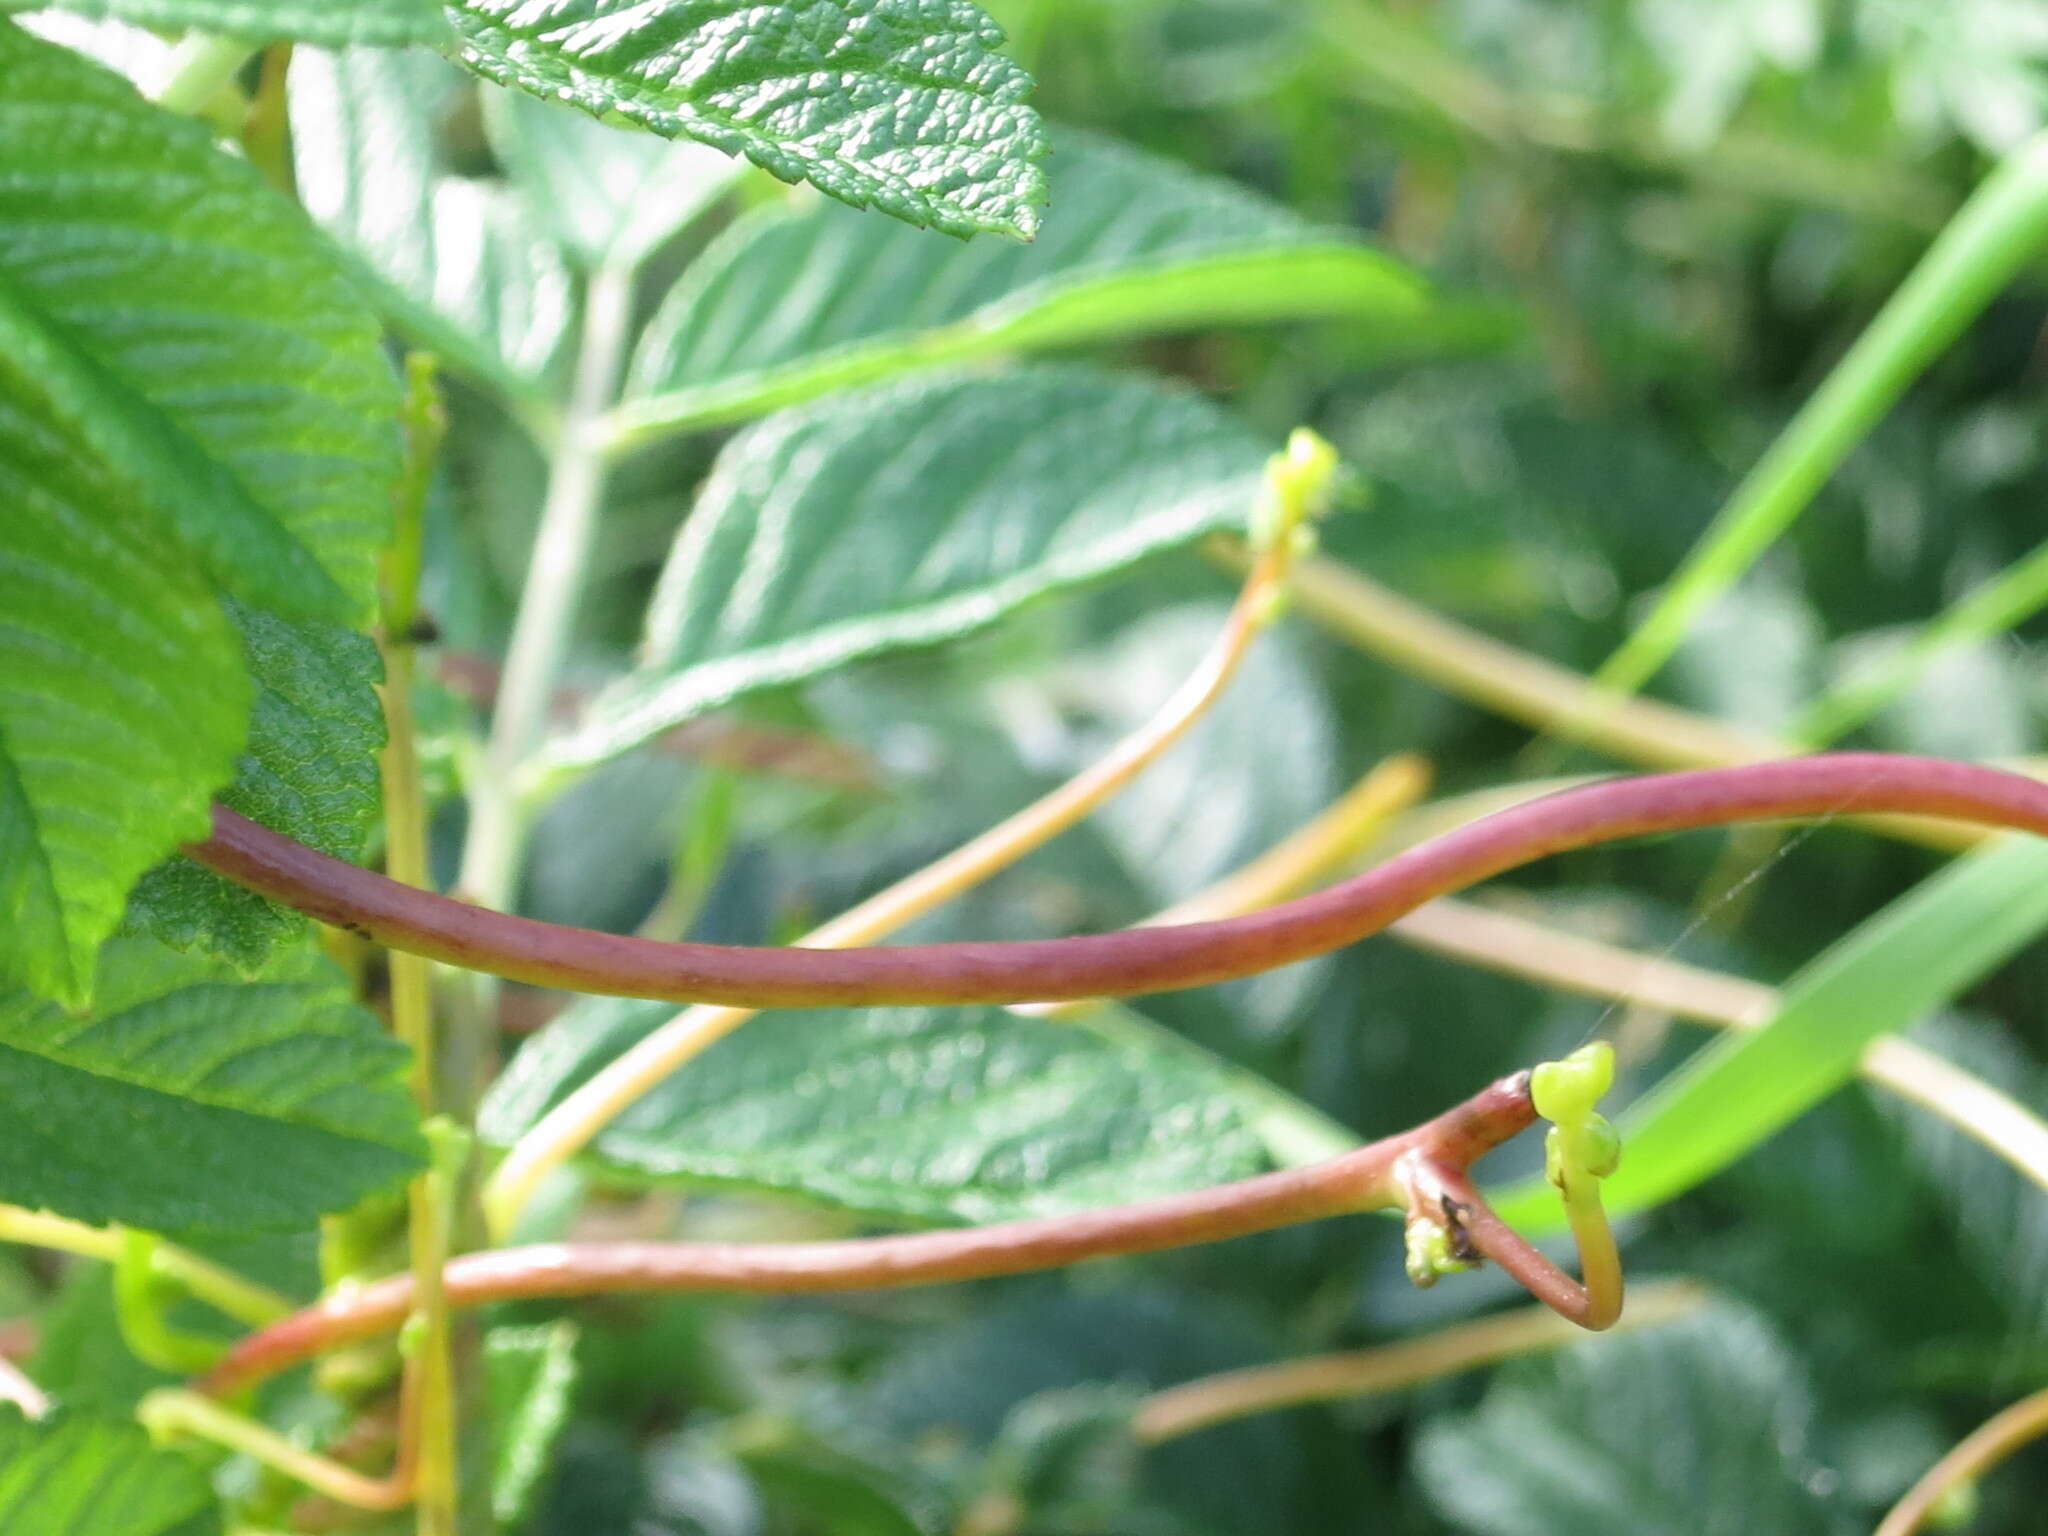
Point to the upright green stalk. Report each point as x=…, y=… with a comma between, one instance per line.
x=499, y=813
x=2002, y=225
x=433, y=1417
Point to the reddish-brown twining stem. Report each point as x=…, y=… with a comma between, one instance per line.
x=1110, y=964
x=1366, y=1179
x=1491, y=1238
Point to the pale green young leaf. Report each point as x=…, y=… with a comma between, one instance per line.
x=1899, y=966
x=609, y=193
x=194, y=1098
x=530, y=1376
x=71, y=1474
x=911, y=514
x=329, y=23
x=1558, y=1445
x=204, y=334
x=926, y=1115
x=456, y=263
x=309, y=771
x=905, y=106
x=790, y=304
x=122, y=697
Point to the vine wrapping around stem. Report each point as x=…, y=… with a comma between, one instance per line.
x=1133, y=960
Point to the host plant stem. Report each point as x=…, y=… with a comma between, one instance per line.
x=431, y=1393
x=500, y=813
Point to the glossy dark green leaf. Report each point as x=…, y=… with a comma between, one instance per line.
x=901, y=105
x=1996, y=1210
x=981, y=1382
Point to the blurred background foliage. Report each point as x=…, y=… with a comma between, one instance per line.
x=1657, y=224
x=1665, y=219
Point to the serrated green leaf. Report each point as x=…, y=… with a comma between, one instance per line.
x=194, y=1099
x=789, y=304
x=122, y=699
x=1895, y=968
x=900, y=105
x=454, y=262
x=609, y=193
x=530, y=1375
x=204, y=331
x=184, y=494
x=930, y=1115
x=911, y=514
x=72, y=1474
x=309, y=771
x=329, y=23
x=1698, y=1426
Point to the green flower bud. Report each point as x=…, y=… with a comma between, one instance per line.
x=1564, y=1092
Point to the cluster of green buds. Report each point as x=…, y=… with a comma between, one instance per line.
x=1582, y=1147
x=1301, y=485
x=1432, y=1252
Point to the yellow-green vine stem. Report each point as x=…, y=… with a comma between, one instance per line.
x=221, y=1288
x=142, y=1298
x=1579, y=1151
x=1211, y=1400
x=172, y=1411
x=1986, y=1446
x=430, y=1369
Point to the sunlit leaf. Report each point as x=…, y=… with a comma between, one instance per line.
x=901, y=105
x=911, y=514
x=930, y=1115
x=791, y=304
